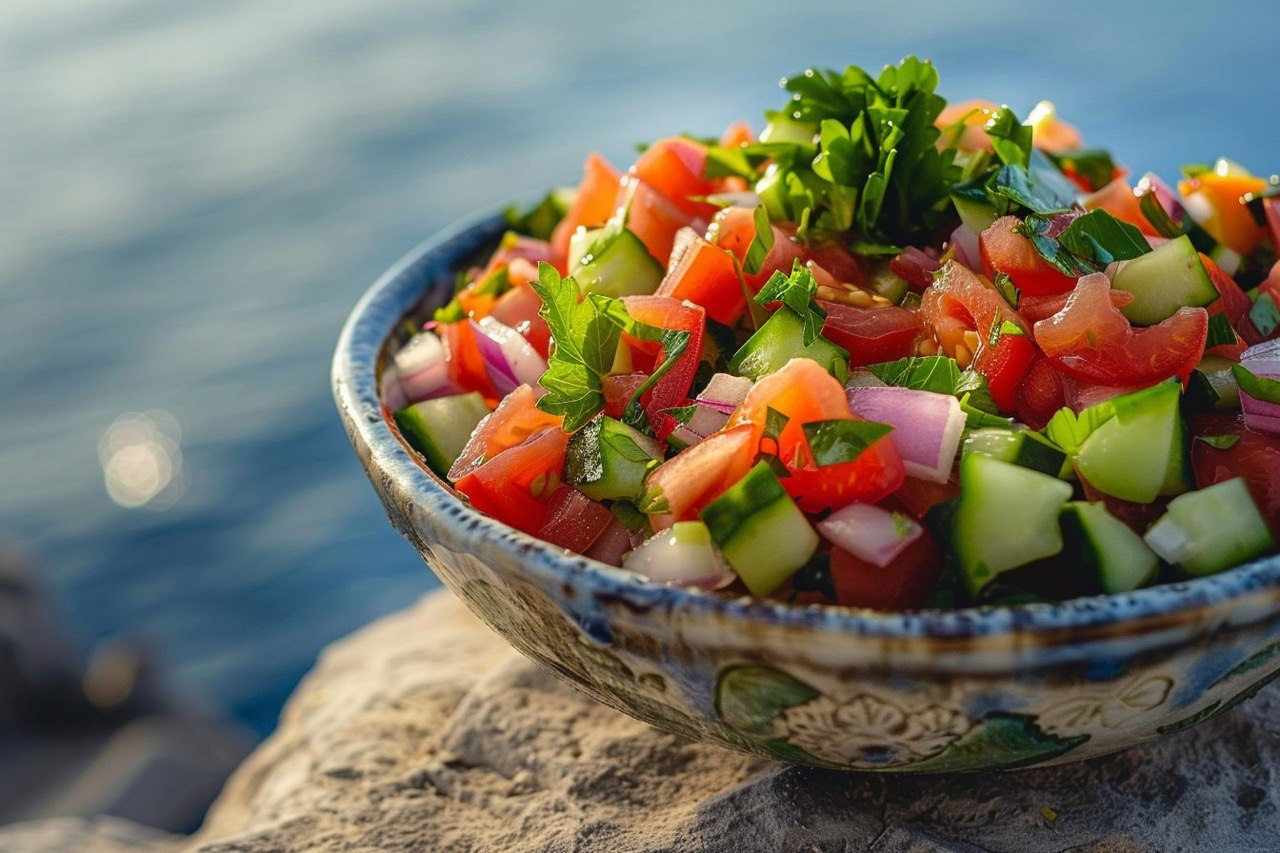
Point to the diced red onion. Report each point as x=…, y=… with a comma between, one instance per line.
x=1169, y=200
x=967, y=250
x=926, y=426
x=870, y=533
x=393, y=396
x=1261, y=360
x=725, y=392
x=510, y=360
x=705, y=422
x=612, y=544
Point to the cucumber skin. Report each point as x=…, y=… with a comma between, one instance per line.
x=621, y=267
x=595, y=465
x=1087, y=528
x=1020, y=447
x=1131, y=455
x=1226, y=524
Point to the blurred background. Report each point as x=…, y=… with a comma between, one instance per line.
x=193, y=195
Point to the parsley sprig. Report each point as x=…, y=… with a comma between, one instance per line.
x=796, y=291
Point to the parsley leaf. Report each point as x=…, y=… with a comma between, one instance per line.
x=1221, y=442
x=938, y=374
x=797, y=292
x=539, y=221
x=1095, y=166
x=1101, y=238
x=1038, y=229
x=1010, y=138
x=1031, y=189
x=586, y=337
x=494, y=284
x=760, y=244
x=836, y=441
x=1261, y=388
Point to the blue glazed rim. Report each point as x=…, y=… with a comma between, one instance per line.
x=355, y=388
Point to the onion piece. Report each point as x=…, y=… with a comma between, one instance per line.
x=423, y=350
x=612, y=544
x=870, y=533
x=1262, y=360
x=1259, y=415
x=860, y=377
x=968, y=251
x=509, y=358
x=725, y=392
x=681, y=555
x=423, y=370
x=927, y=426
x=705, y=422
x=389, y=390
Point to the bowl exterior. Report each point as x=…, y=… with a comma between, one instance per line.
x=996, y=688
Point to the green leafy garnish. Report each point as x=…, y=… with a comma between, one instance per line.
x=1005, y=286
x=541, y=219
x=774, y=423
x=1101, y=238
x=976, y=418
x=1030, y=189
x=1221, y=332
x=939, y=374
x=586, y=334
x=1094, y=166
x=1036, y=229
x=797, y=292
x=760, y=244
x=1261, y=388
x=1265, y=314
x=495, y=283
x=1010, y=138
x=1221, y=442
x=837, y=441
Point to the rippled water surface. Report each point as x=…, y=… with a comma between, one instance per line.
x=193, y=194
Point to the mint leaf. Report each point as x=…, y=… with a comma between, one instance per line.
x=1261, y=388
x=796, y=292
x=1221, y=442
x=923, y=373
x=585, y=335
x=1030, y=190
x=836, y=441
x=1101, y=238
x=1037, y=229
x=1005, y=286
x=1010, y=138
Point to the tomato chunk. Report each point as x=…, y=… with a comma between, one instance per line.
x=1254, y=456
x=672, y=389
x=594, y=203
x=904, y=584
x=734, y=228
x=705, y=275
x=513, y=485
x=688, y=481
x=574, y=521
x=872, y=335
x=516, y=418
x=675, y=167
x=1006, y=251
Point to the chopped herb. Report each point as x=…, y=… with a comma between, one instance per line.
x=494, y=284
x=1036, y=229
x=760, y=244
x=774, y=423
x=1265, y=314
x=1220, y=332
x=1031, y=190
x=1005, y=286
x=903, y=526
x=541, y=219
x=836, y=441
x=1010, y=138
x=1221, y=442
x=796, y=291
x=1101, y=238
x=1094, y=166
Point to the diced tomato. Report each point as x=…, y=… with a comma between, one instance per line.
x=1271, y=206
x=1230, y=222
x=705, y=275
x=516, y=418
x=518, y=309
x=1036, y=308
x=872, y=335
x=1255, y=456
x=804, y=392
x=917, y=496
x=653, y=217
x=512, y=486
x=842, y=264
x=1117, y=198
x=974, y=113
x=904, y=584
x=1006, y=251
x=462, y=358
x=574, y=521
x=1040, y=395
x=1233, y=302
x=672, y=389
x=618, y=389
x=1005, y=365
x=676, y=167
x=690, y=480
x=1090, y=340
x=734, y=229
x=737, y=134
x=594, y=203
x=960, y=306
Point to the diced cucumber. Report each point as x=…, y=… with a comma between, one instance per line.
x=1131, y=455
x=1211, y=529
x=977, y=214
x=440, y=428
x=580, y=243
x=781, y=339
x=1006, y=516
x=1111, y=557
x=682, y=554
x=1021, y=447
x=884, y=282
x=608, y=460
x=616, y=263
x=1212, y=385
x=782, y=128
x=1163, y=280
x=760, y=531
x=1177, y=475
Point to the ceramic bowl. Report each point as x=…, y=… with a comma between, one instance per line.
x=972, y=689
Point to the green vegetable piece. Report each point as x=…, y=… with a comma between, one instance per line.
x=608, y=460
x=781, y=339
x=837, y=441
x=1211, y=529
x=439, y=428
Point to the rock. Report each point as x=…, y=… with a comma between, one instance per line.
x=78, y=834
x=426, y=731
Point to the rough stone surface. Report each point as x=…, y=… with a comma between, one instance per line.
x=424, y=731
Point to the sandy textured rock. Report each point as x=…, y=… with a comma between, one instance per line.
x=425, y=731
x=80, y=835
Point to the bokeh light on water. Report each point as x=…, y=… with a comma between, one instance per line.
x=141, y=458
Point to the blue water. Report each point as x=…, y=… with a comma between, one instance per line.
x=193, y=194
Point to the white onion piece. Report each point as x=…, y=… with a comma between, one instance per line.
x=725, y=392
x=870, y=533
x=707, y=420
x=681, y=555
x=510, y=359
x=967, y=249
x=422, y=351
x=428, y=383
x=1167, y=538
x=860, y=377
x=926, y=426
x=393, y=396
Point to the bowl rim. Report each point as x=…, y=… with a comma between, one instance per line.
x=355, y=389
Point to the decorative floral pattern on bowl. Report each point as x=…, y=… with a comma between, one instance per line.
x=992, y=688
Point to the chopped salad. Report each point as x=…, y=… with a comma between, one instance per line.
x=890, y=353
